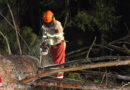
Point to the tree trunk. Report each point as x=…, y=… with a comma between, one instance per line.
x=15, y=68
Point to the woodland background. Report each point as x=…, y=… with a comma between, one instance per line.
x=92, y=28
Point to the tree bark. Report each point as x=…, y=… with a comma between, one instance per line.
x=65, y=83
x=15, y=68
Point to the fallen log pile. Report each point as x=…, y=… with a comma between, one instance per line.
x=81, y=67
x=22, y=71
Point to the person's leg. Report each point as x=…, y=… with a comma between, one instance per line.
x=58, y=56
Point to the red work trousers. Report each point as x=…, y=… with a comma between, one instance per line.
x=58, y=56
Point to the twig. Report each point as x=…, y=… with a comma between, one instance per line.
x=99, y=45
x=103, y=77
x=120, y=39
x=76, y=55
x=87, y=56
x=125, y=47
x=125, y=85
x=121, y=42
x=127, y=28
x=119, y=49
x=76, y=51
x=7, y=20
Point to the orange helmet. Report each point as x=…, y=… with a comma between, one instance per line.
x=48, y=16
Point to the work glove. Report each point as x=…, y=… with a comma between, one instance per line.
x=44, y=48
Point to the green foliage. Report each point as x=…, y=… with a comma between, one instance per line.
x=75, y=76
x=33, y=42
x=96, y=80
x=10, y=34
x=102, y=18
x=29, y=46
x=5, y=1
x=106, y=18
x=82, y=19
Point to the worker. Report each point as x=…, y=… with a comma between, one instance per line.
x=53, y=29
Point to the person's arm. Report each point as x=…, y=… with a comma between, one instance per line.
x=59, y=32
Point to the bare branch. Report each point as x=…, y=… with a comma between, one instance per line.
x=20, y=50
x=87, y=56
x=83, y=51
x=125, y=47
x=103, y=58
x=119, y=48
x=99, y=45
x=15, y=30
x=120, y=39
x=97, y=73
x=7, y=21
x=123, y=87
x=76, y=51
x=7, y=42
x=77, y=54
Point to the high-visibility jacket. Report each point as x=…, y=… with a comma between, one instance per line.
x=59, y=45
x=56, y=30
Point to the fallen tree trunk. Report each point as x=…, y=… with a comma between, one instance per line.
x=95, y=59
x=15, y=68
x=81, y=67
x=65, y=83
